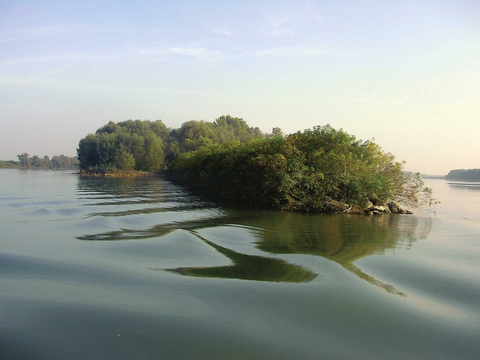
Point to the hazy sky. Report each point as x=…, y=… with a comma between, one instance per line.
x=406, y=73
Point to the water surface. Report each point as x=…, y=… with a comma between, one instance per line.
x=141, y=269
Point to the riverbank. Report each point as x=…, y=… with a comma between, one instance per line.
x=118, y=173
x=9, y=164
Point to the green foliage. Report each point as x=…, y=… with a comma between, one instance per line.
x=230, y=129
x=196, y=134
x=302, y=171
x=153, y=146
x=154, y=157
x=124, y=160
x=87, y=152
x=128, y=145
x=277, y=132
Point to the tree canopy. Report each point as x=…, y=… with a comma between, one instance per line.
x=127, y=145
x=150, y=146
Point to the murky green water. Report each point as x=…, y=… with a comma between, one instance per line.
x=141, y=269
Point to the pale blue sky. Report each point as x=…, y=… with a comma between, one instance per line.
x=406, y=73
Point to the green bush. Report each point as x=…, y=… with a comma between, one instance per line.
x=302, y=171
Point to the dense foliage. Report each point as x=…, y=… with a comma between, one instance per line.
x=465, y=175
x=150, y=146
x=303, y=171
x=128, y=145
x=56, y=162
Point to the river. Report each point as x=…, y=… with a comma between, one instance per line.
x=102, y=268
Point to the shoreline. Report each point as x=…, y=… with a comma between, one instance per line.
x=118, y=173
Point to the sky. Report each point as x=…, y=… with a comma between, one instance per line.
x=405, y=73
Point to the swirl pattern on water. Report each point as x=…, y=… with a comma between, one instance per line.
x=141, y=268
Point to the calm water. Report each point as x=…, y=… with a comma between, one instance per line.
x=141, y=269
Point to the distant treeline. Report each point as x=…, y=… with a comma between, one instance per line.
x=36, y=162
x=318, y=170
x=463, y=174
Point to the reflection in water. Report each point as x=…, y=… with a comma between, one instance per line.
x=339, y=238
x=465, y=186
x=126, y=234
x=247, y=267
x=58, y=294
x=388, y=288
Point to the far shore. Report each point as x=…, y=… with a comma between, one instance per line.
x=118, y=173
x=433, y=176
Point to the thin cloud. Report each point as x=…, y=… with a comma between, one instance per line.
x=197, y=52
x=26, y=33
x=277, y=20
x=200, y=53
x=277, y=25
x=85, y=56
x=32, y=33
x=279, y=32
x=294, y=51
x=221, y=31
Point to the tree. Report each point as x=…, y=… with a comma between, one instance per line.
x=193, y=135
x=109, y=128
x=87, y=153
x=126, y=145
x=24, y=160
x=57, y=162
x=124, y=160
x=230, y=128
x=46, y=162
x=154, y=156
x=107, y=151
x=159, y=128
x=277, y=132
x=37, y=162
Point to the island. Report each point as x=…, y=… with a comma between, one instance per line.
x=464, y=175
x=317, y=170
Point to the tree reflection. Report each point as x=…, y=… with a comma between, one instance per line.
x=248, y=267
x=339, y=238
